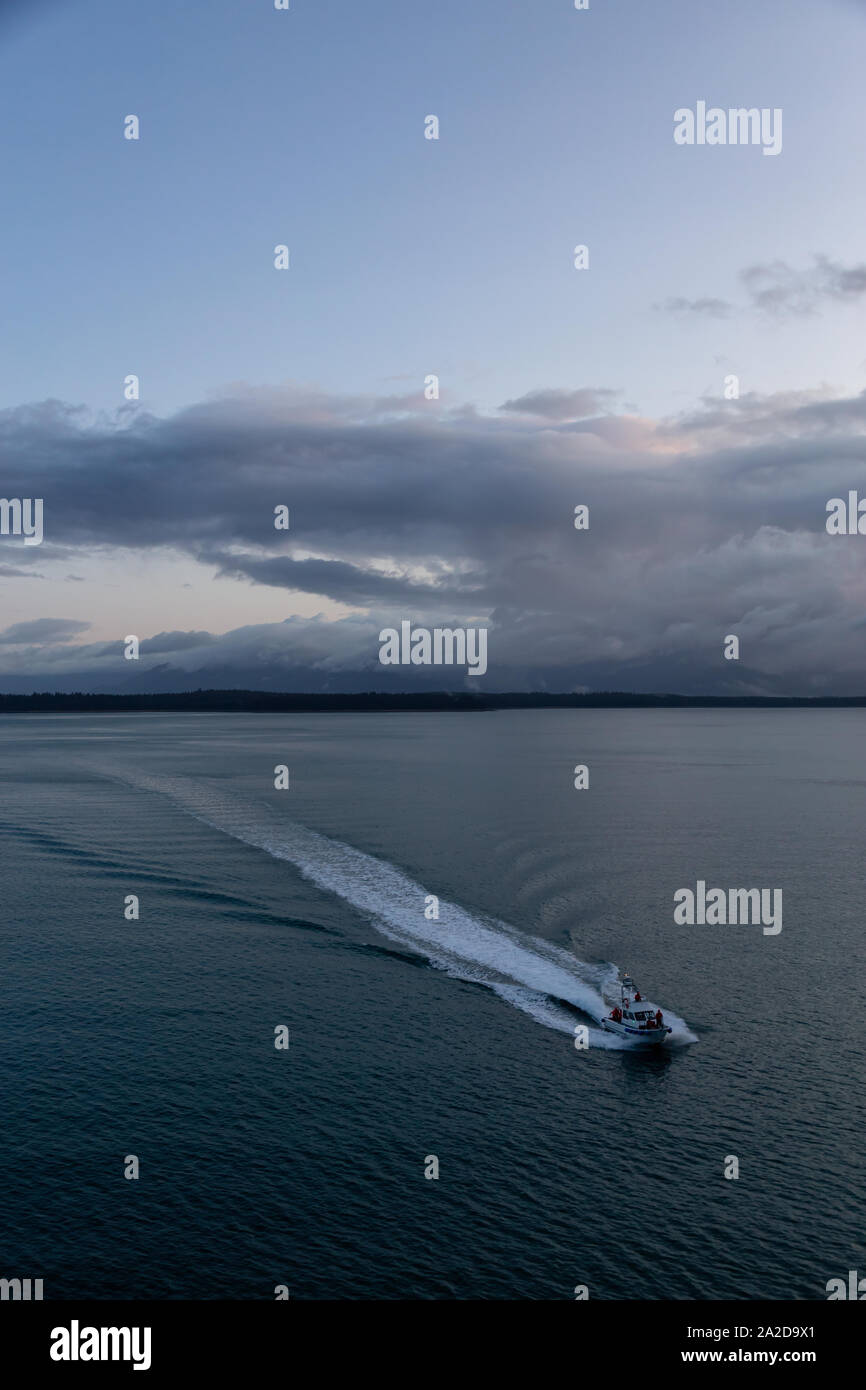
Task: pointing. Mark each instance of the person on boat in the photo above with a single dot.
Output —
(637, 996)
(616, 1015)
(659, 1017)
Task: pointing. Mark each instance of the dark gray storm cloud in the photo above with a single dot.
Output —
(48, 630)
(777, 290)
(708, 524)
(14, 572)
(563, 405)
(344, 583)
(780, 290)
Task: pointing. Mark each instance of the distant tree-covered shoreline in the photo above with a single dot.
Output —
(270, 702)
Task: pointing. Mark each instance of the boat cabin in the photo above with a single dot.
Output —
(635, 1012)
(641, 1011)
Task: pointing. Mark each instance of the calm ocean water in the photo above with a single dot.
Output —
(413, 1037)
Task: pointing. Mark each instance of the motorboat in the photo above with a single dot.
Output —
(635, 1017)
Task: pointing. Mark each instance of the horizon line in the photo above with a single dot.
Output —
(239, 700)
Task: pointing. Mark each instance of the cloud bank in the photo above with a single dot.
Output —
(700, 526)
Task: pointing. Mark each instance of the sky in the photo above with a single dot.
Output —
(607, 386)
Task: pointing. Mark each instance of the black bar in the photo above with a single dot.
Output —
(590, 1341)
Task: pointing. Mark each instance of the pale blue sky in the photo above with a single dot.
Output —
(410, 256)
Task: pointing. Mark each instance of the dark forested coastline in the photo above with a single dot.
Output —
(272, 702)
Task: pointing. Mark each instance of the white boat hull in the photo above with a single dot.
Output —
(652, 1037)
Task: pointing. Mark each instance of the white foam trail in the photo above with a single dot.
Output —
(523, 970)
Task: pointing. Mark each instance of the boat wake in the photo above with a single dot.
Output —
(541, 979)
